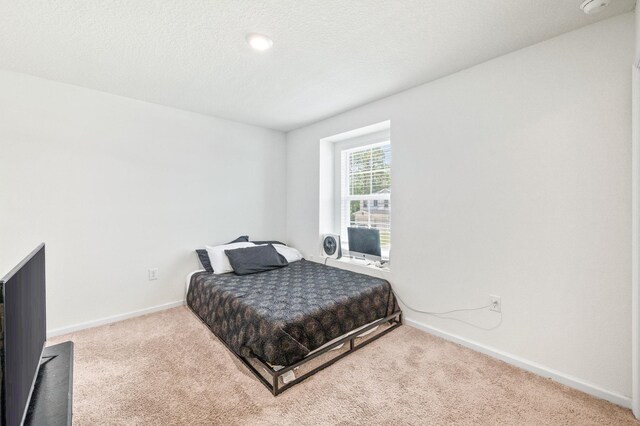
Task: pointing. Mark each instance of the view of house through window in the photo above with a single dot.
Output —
(366, 191)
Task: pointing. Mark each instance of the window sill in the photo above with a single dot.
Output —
(355, 265)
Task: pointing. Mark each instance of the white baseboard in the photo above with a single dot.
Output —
(115, 318)
(527, 365)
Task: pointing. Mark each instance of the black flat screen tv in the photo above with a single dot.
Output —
(24, 332)
(364, 242)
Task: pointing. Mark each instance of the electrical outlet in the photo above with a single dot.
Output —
(496, 303)
(153, 274)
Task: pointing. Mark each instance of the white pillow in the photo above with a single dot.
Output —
(291, 254)
(219, 260)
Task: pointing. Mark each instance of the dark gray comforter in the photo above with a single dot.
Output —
(280, 316)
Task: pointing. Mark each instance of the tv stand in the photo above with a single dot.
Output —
(53, 390)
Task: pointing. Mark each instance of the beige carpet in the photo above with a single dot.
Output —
(167, 368)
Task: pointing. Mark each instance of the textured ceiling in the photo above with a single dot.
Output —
(328, 55)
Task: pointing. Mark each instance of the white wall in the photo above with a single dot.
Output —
(635, 252)
(115, 186)
(510, 178)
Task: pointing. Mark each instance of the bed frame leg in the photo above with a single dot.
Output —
(274, 384)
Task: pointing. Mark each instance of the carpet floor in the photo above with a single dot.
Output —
(168, 369)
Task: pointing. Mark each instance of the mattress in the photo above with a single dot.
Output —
(280, 316)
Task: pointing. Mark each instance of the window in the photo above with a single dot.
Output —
(365, 190)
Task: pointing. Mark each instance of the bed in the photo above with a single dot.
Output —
(283, 318)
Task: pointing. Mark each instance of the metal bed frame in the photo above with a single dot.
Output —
(274, 386)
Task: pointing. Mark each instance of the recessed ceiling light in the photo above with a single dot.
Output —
(591, 7)
(259, 41)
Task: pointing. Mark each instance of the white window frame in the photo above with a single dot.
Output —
(340, 182)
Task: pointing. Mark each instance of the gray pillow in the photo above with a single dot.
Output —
(203, 256)
(240, 239)
(251, 260)
(268, 242)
